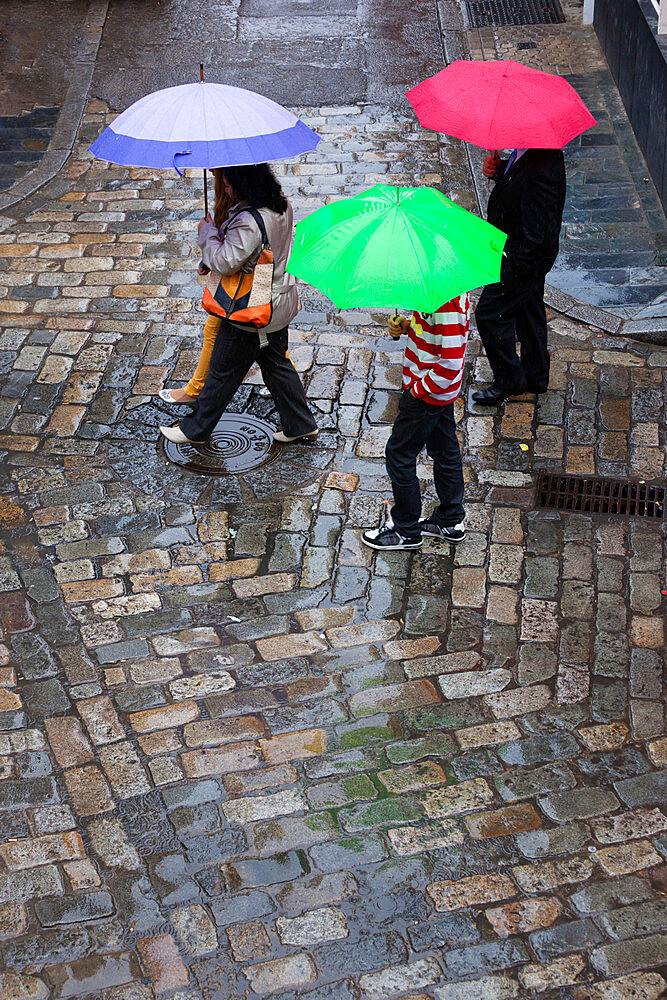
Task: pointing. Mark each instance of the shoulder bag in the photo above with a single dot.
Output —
(244, 297)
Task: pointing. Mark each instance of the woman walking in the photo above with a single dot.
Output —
(237, 243)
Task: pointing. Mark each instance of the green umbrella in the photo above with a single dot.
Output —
(409, 248)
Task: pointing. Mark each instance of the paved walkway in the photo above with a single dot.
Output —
(245, 757)
(614, 239)
(38, 56)
(23, 140)
(614, 235)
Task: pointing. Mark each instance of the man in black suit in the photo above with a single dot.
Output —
(527, 204)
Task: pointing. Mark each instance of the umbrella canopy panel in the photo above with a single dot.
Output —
(501, 105)
(203, 125)
(409, 248)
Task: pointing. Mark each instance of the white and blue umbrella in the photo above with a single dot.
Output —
(203, 125)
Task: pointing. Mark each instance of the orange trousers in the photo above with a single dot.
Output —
(196, 383)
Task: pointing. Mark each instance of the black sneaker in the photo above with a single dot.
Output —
(389, 538)
(454, 534)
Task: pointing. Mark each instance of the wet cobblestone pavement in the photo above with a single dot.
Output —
(242, 756)
(36, 57)
(23, 139)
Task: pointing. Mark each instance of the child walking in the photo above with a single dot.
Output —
(432, 374)
(188, 394)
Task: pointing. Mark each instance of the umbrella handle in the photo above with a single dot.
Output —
(494, 153)
(201, 80)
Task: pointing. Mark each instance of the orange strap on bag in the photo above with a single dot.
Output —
(244, 297)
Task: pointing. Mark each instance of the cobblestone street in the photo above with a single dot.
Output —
(244, 756)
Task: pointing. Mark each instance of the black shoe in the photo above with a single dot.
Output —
(493, 395)
(454, 534)
(390, 538)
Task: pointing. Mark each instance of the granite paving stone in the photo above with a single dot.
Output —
(651, 984)
(602, 896)
(627, 956)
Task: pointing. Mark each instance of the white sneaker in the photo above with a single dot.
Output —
(389, 538)
(166, 395)
(176, 435)
(453, 534)
(282, 438)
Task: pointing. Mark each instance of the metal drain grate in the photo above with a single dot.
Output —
(496, 13)
(600, 496)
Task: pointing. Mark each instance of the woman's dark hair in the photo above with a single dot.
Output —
(256, 184)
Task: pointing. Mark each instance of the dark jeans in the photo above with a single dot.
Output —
(509, 312)
(420, 423)
(234, 353)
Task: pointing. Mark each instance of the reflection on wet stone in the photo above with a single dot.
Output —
(230, 804)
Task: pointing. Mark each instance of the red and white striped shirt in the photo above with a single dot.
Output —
(435, 352)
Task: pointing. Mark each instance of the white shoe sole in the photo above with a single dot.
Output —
(176, 436)
(165, 394)
(281, 438)
(391, 548)
(443, 538)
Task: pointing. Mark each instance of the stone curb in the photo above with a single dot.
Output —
(71, 113)
(650, 331)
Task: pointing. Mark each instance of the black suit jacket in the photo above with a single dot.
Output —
(527, 204)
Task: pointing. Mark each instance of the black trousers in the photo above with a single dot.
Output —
(234, 353)
(511, 311)
(420, 424)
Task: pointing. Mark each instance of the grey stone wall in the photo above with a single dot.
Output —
(637, 58)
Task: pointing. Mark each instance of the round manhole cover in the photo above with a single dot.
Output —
(238, 443)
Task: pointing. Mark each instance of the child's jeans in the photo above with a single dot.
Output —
(420, 424)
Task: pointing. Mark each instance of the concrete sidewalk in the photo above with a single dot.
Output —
(39, 54)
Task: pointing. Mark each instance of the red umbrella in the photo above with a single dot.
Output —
(501, 105)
